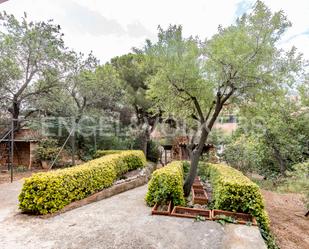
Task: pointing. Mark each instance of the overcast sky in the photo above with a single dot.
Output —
(113, 27)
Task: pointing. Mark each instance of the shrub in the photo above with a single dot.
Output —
(100, 153)
(134, 159)
(47, 150)
(186, 169)
(298, 181)
(153, 152)
(166, 184)
(235, 192)
(48, 192)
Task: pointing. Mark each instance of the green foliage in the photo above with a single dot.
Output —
(247, 154)
(298, 181)
(186, 169)
(134, 71)
(48, 192)
(134, 159)
(47, 149)
(270, 144)
(31, 61)
(225, 219)
(101, 153)
(199, 218)
(238, 63)
(153, 152)
(166, 184)
(233, 191)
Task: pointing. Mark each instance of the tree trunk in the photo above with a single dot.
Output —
(280, 160)
(197, 152)
(195, 157)
(192, 174)
(15, 111)
(144, 141)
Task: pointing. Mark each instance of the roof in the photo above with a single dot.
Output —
(23, 135)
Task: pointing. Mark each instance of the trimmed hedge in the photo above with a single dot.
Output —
(100, 153)
(233, 191)
(48, 192)
(166, 184)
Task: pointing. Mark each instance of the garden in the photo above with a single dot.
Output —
(213, 131)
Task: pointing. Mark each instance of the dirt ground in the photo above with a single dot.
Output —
(6, 177)
(288, 223)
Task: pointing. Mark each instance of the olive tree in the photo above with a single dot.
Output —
(31, 61)
(198, 79)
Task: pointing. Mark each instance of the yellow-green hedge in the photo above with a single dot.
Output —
(48, 192)
(166, 184)
(233, 191)
(100, 153)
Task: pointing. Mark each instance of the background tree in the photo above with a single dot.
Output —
(235, 65)
(31, 62)
(134, 70)
(87, 91)
(273, 136)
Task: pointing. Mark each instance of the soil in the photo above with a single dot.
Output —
(288, 223)
(162, 207)
(5, 177)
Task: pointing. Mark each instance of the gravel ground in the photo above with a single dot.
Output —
(122, 221)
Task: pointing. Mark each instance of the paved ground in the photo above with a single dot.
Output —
(122, 221)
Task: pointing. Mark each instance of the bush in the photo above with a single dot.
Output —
(233, 191)
(132, 160)
(48, 192)
(47, 150)
(100, 153)
(166, 184)
(153, 152)
(298, 181)
(186, 168)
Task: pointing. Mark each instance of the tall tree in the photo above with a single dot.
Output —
(238, 63)
(87, 90)
(134, 70)
(30, 62)
(270, 143)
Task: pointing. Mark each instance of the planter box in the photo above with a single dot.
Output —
(241, 218)
(191, 212)
(197, 183)
(155, 209)
(198, 186)
(199, 196)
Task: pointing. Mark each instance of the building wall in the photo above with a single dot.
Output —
(21, 154)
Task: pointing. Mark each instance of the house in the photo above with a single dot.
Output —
(227, 123)
(25, 143)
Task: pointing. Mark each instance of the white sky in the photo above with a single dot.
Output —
(113, 27)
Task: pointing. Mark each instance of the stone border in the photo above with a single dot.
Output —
(108, 192)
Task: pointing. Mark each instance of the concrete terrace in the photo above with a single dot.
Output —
(122, 221)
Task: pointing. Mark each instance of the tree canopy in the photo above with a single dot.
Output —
(235, 66)
(31, 61)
